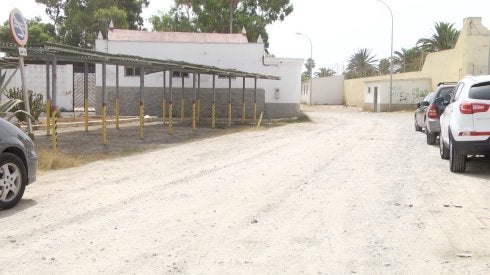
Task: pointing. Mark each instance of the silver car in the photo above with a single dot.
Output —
(18, 164)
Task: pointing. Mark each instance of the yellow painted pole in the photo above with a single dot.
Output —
(243, 112)
(198, 110)
(104, 124)
(85, 113)
(213, 115)
(229, 114)
(142, 120)
(48, 117)
(181, 110)
(117, 113)
(55, 133)
(170, 123)
(163, 111)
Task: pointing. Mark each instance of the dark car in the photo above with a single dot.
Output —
(419, 117)
(432, 125)
(18, 164)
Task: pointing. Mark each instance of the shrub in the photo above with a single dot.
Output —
(35, 100)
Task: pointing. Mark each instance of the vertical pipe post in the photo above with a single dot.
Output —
(255, 100)
(243, 102)
(198, 97)
(170, 102)
(213, 106)
(142, 103)
(104, 104)
(54, 87)
(48, 100)
(182, 99)
(194, 91)
(27, 105)
(117, 97)
(54, 136)
(229, 101)
(163, 99)
(85, 95)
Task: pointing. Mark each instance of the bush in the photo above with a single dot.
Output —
(35, 101)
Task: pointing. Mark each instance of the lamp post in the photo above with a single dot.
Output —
(311, 63)
(391, 53)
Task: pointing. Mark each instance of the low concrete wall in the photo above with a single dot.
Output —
(129, 103)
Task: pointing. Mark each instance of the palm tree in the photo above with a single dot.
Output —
(361, 64)
(444, 38)
(324, 72)
(408, 60)
(309, 64)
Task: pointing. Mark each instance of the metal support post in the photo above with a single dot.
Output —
(85, 95)
(163, 99)
(48, 101)
(117, 97)
(243, 102)
(142, 103)
(198, 97)
(170, 102)
(229, 101)
(104, 104)
(255, 100)
(194, 101)
(213, 107)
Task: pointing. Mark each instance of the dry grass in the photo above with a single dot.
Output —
(48, 160)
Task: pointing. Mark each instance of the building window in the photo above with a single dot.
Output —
(180, 74)
(132, 71)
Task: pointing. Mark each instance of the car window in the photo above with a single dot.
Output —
(457, 92)
(428, 97)
(445, 91)
(480, 91)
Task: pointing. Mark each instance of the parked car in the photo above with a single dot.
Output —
(18, 164)
(432, 125)
(420, 112)
(465, 123)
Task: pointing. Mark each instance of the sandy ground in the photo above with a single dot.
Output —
(351, 192)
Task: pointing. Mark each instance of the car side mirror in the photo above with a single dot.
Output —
(418, 105)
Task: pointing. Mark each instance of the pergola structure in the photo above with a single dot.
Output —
(52, 54)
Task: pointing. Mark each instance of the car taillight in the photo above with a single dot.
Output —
(470, 108)
(432, 113)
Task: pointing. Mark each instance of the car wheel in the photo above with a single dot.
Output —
(13, 179)
(457, 162)
(443, 150)
(417, 127)
(431, 137)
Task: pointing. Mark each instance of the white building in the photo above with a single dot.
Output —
(277, 98)
(326, 90)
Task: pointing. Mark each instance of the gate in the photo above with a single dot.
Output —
(78, 83)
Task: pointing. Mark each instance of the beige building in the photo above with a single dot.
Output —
(470, 56)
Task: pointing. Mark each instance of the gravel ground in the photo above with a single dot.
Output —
(350, 192)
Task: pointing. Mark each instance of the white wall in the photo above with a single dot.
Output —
(326, 90)
(36, 81)
(407, 91)
(246, 57)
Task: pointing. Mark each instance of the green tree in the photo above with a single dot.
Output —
(217, 15)
(39, 32)
(361, 64)
(408, 60)
(324, 72)
(384, 66)
(444, 37)
(77, 22)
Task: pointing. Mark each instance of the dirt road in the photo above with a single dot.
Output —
(351, 192)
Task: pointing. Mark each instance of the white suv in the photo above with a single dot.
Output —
(465, 123)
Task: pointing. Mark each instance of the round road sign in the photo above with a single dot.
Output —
(18, 27)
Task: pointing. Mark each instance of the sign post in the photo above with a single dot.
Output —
(18, 30)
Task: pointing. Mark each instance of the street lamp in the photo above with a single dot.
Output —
(311, 63)
(391, 53)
